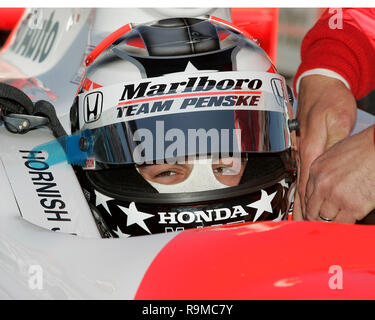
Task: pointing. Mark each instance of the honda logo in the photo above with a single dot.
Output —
(93, 104)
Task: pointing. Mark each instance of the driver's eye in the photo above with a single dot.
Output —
(223, 170)
(167, 173)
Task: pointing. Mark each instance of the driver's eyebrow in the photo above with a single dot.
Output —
(146, 165)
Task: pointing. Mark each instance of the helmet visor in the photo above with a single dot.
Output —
(172, 138)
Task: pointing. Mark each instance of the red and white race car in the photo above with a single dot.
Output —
(51, 239)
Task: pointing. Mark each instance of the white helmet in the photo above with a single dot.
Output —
(157, 96)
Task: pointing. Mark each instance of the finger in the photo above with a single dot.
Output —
(313, 206)
(307, 157)
(297, 206)
(328, 210)
(302, 181)
(297, 211)
(309, 189)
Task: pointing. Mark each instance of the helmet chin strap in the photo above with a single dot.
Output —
(201, 178)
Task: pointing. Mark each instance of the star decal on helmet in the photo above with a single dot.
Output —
(120, 234)
(136, 217)
(263, 204)
(101, 199)
(190, 67)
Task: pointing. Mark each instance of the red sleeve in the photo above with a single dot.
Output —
(349, 51)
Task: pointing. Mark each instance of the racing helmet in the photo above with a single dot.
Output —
(190, 120)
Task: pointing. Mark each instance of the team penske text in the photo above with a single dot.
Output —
(188, 103)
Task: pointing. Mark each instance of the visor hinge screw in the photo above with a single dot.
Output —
(293, 124)
(83, 144)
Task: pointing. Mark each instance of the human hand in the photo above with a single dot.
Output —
(326, 114)
(341, 185)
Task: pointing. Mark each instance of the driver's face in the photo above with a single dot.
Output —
(175, 173)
